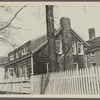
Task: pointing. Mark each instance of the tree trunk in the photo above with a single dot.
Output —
(51, 38)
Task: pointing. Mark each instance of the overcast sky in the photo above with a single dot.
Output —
(32, 21)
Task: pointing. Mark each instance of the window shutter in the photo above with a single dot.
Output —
(74, 47)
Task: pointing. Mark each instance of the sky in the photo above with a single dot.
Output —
(32, 21)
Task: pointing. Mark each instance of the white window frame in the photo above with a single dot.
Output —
(25, 50)
(93, 54)
(81, 48)
(26, 72)
(16, 54)
(11, 57)
(74, 47)
(76, 65)
(60, 46)
(10, 72)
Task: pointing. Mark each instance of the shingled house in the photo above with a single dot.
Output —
(35, 53)
(93, 52)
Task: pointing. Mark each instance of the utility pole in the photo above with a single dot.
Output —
(51, 37)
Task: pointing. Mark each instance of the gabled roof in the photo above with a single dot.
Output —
(94, 44)
(40, 42)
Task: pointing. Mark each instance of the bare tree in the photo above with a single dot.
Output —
(6, 26)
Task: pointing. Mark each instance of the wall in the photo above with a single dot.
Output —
(95, 59)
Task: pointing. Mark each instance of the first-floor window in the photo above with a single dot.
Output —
(10, 71)
(93, 64)
(75, 66)
(18, 71)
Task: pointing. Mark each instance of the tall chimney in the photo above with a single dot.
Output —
(91, 33)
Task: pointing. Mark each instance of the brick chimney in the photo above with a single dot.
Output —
(91, 33)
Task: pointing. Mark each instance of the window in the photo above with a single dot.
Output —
(16, 54)
(75, 66)
(26, 71)
(92, 53)
(74, 47)
(22, 52)
(21, 71)
(80, 48)
(58, 46)
(93, 64)
(25, 50)
(11, 57)
(10, 72)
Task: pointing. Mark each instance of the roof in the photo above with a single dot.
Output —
(3, 60)
(94, 44)
(40, 42)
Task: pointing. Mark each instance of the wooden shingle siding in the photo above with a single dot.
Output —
(41, 59)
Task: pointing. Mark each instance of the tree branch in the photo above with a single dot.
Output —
(12, 18)
(14, 27)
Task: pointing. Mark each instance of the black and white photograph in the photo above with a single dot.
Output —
(50, 48)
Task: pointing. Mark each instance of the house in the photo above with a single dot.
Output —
(35, 53)
(3, 61)
(93, 52)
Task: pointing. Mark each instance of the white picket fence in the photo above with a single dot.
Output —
(81, 82)
(15, 85)
(72, 82)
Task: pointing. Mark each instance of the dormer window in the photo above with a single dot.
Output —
(74, 48)
(22, 52)
(80, 48)
(58, 46)
(11, 57)
(25, 50)
(16, 54)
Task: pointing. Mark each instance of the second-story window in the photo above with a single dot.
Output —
(16, 54)
(25, 50)
(58, 46)
(22, 52)
(80, 48)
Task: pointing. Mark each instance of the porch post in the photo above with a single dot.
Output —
(32, 74)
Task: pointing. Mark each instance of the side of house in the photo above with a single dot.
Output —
(93, 52)
(3, 61)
